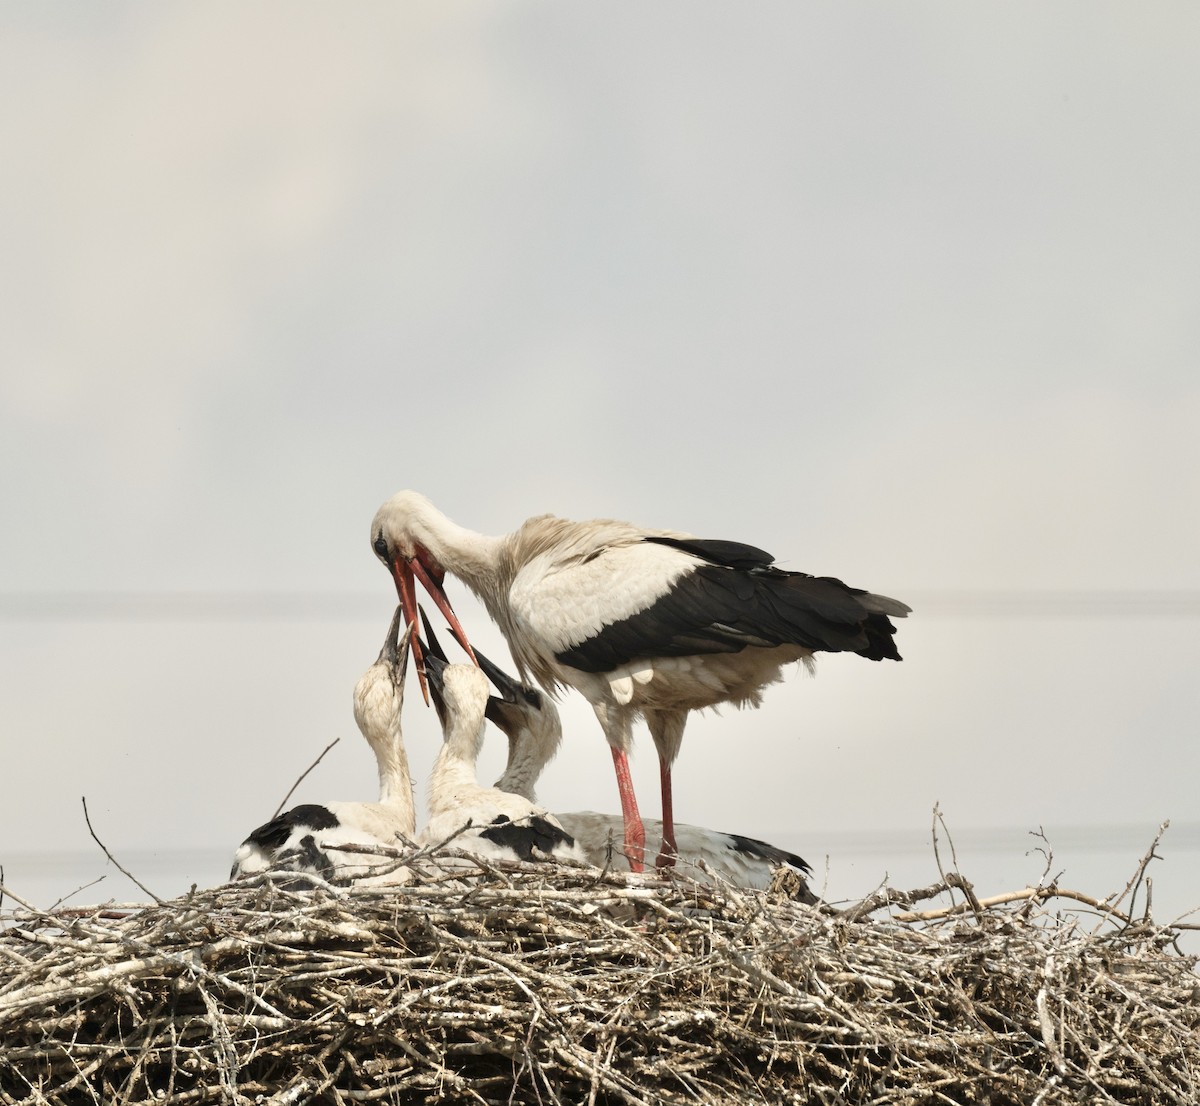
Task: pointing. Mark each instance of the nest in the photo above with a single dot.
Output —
(555, 984)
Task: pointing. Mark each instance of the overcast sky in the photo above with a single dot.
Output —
(906, 295)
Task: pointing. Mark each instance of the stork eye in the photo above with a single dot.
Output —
(380, 546)
(533, 697)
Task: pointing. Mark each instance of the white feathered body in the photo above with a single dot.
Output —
(309, 839)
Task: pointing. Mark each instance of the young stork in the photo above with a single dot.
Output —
(498, 825)
(650, 623)
(307, 837)
(533, 727)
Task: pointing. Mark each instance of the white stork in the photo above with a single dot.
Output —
(642, 622)
(482, 820)
(532, 724)
(307, 838)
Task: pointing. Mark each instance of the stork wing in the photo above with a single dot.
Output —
(728, 597)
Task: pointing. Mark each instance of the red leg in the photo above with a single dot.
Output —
(635, 832)
(668, 852)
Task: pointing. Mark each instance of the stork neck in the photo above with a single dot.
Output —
(470, 556)
(525, 764)
(462, 742)
(395, 785)
(452, 777)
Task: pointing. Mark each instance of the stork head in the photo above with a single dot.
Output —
(523, 714)
(531, 723)
(515, 705)
(379, 693)
(460, 694)
(402, 532)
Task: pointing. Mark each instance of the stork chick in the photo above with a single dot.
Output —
(307, 838)
(483, 820)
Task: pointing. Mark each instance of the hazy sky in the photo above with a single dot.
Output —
(906, 295)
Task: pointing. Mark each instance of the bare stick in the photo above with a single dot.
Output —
(71, 894)
(306, 771)
(956, 878)
(1031, 894)
(120, 868)
(1135, 881)
(1047, 851)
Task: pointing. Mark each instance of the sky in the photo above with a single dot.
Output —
(905, 295)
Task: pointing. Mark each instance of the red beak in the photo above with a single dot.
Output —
(406, 572)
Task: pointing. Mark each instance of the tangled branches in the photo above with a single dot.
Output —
(542, 984)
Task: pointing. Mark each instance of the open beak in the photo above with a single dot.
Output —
(503, 682)
(395, 648)
(406, 572)
(435, 665)
(499, 708)
(434, 647)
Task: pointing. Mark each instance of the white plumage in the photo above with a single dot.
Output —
(644, 623)
(703, 853)
(482, 820)
(309, 838)
(532, 724)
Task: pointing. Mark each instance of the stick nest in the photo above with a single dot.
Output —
(555, 984)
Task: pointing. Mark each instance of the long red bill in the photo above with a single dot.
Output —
(406, 571)
(438, 595)
(407, 592)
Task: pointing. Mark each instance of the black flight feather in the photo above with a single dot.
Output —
(771, 853)
(526, 836)
(718, 609)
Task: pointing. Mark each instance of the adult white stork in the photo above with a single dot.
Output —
(532, 724)
(653, 623)
(308, 838)
(481, 820)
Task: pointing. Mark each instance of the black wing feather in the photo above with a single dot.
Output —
(526, 836)
(751, 846)
(771, 853)
(731, 554)
(724, 608)
(273, 835)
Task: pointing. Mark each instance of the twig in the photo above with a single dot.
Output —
(119, 866)
(955, 878)
(291, 791)
(1032, 894)
(1047, 855)
(1135, 881)
(70, 894)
